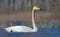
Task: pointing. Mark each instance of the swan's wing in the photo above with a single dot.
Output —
(22, 29)
(19, 29)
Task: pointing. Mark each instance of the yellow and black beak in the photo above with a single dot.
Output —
(37, 8)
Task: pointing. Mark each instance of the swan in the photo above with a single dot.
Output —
(25, 28)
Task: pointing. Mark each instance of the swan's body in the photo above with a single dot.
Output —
(19, 29)
(24, 28)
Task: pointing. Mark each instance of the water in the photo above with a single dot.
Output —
(42, 32)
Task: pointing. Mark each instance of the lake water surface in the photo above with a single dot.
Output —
(42, 32)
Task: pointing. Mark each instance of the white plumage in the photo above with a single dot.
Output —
(19, 29)
(24, 28)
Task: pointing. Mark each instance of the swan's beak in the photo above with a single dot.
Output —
(36, 8)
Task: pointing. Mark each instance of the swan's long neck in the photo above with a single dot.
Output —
(33, 21)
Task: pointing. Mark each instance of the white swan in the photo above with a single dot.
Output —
(25, 28)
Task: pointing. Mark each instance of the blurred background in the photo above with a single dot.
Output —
(18, 12)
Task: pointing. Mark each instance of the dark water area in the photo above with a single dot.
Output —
(42, 32)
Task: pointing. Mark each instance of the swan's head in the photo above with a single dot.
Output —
(36, 8)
